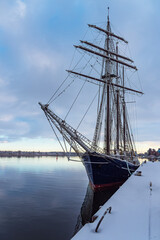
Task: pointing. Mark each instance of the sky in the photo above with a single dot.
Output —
(36, 46)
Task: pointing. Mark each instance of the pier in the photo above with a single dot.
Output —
(133, 212)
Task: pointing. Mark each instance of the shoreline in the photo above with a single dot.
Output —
(35, 154)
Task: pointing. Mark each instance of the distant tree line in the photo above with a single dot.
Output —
(35, 154)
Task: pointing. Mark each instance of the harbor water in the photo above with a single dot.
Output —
(45, 198)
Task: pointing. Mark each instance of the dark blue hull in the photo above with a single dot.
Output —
(104, 171)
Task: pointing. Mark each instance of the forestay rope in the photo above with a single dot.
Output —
(54, 132)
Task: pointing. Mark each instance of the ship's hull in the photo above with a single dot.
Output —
(106, 172)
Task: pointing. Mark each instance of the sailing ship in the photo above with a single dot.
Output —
(111, 164)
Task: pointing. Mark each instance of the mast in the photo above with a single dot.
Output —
(117, 104)
(124, 115)
(108, 80)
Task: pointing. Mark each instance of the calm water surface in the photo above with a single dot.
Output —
(43, 198)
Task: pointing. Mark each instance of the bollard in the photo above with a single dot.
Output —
(138, 173)
(150, 185)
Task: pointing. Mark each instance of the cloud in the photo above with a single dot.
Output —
(21, 8)
(12, 14)
(3, 82)
(6, 118)
(7, 98)
(42, 59)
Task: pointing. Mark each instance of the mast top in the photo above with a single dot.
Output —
(108, 14)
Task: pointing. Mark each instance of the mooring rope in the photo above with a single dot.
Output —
(128, 167)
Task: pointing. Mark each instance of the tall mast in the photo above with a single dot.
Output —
(117, 102)
(108, 80)
(124, 114)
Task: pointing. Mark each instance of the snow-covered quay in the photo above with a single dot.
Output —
(135, 210)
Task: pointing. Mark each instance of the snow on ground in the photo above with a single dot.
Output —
(135, 213)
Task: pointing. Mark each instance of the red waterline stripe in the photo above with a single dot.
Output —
(108, 185)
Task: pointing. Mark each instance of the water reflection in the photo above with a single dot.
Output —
(40, 198)
(91, 204)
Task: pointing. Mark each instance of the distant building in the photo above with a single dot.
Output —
(153, 152)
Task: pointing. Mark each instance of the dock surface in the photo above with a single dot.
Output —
(135, 210)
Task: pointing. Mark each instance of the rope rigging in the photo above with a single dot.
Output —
(110, 85)
(54, 132)
(87, 111)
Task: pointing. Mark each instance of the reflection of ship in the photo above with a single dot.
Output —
(91, 204)
(113, 163)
